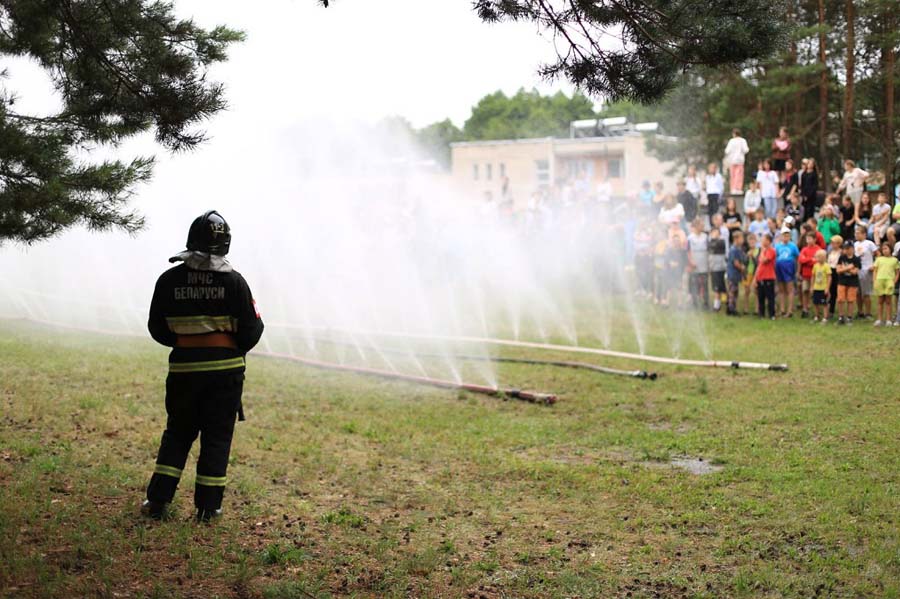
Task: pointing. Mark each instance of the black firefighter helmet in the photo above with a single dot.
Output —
(209, 233)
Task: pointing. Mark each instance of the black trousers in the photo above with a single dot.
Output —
(765, 292)
(809, 205)
(204, 404)
(643, 264)
(713, 203)
(833, 299)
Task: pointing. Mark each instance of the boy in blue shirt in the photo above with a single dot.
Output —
(786, 254)
(646, 195)
(737, 265)
(759, 226)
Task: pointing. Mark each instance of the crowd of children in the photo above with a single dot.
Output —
(788, 247)
(829, 265)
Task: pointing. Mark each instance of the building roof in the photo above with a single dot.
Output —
(582, 131)
(498, 142)
(553, 140)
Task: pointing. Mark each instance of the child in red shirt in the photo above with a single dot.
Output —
(807, 259)
(765, 277)
(810, 227)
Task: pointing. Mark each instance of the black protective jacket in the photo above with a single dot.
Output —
(195, 302)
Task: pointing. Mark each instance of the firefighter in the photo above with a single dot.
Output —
(203, 309)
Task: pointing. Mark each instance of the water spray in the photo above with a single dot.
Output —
(505, 392)
(638, 374)
(562, 348)
(529, 396)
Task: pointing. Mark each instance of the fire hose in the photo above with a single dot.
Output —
(512, 393)
(638, 374)
(554, 347)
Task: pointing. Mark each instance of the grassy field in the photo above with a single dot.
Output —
(348, 486)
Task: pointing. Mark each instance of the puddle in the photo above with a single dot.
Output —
(695, 465)
(566, 454)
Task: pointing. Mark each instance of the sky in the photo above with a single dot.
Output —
(424, 60)
(358, 60)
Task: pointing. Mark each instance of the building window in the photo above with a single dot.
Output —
(475, 172)
(488, 171)
(614, 168)
(502, 169)
(578, 168)
(542, 171)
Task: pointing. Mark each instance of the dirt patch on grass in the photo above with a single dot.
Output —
(663, 425)
(695, 465)
(571, 454)
(655, 588)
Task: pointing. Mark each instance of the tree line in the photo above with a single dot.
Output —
(832, 84)
(498, 116)
(831, 81)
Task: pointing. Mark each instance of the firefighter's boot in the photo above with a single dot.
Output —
(155, 509)
(205, 515)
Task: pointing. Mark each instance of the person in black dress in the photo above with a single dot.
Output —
(847, 217)
(809, 186)
(732, 218)
(790, 182)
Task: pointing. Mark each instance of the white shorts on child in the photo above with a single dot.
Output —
(865, 283)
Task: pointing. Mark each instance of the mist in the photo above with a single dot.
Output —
(357, 252)
(356, 246)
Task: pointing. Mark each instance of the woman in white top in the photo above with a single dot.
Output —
(735, 151)
(881, 219)
(853, 182)
(671, 211)
(692, 182)
(752, 201)
(715, 187)
(768, 188)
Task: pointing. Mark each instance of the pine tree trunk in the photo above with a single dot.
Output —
(890, 62)
(823, 102)
(797, 104)
(849, 88)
